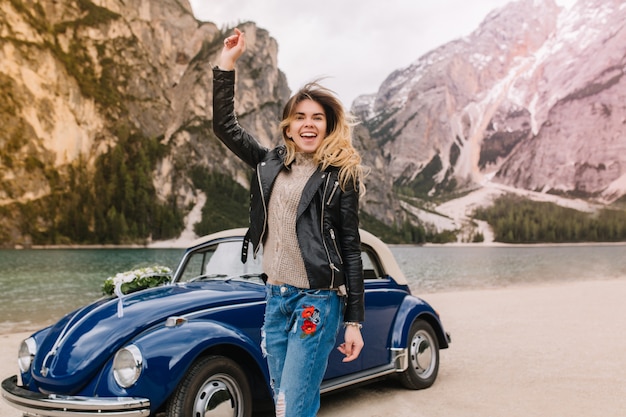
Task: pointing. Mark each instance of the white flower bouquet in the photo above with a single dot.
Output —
(137, 279)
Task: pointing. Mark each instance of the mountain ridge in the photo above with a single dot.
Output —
(518, 102)
(509, 108)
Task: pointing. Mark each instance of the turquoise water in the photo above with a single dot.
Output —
(39, 286)
(444, 268)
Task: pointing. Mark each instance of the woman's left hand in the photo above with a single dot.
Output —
(352, 345)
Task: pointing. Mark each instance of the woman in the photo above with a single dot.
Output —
(304, 212)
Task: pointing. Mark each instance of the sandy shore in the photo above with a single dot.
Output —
(540, 351)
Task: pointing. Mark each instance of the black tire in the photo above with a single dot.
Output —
(213, 386)
(423, 351)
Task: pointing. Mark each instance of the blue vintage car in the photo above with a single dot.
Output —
(192, 347)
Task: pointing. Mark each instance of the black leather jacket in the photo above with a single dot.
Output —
(327, 217)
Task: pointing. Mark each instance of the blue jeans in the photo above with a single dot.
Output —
(299, 333)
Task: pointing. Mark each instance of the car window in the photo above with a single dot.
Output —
(224, 261)
(371, 266)
(220, 261)
(193, 267)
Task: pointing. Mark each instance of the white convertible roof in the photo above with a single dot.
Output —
(386, 258)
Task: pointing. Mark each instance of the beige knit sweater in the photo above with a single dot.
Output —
(282, 259)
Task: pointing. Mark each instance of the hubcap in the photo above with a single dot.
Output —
(422, 354)
(219, 397)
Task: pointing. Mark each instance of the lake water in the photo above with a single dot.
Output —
(39, 286)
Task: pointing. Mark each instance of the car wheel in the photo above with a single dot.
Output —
(423, 351)
(214, 386)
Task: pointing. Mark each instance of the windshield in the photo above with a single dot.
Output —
(221, 261)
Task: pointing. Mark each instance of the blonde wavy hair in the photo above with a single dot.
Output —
(336, 149)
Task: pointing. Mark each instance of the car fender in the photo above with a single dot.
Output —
(165, 364)
(413, 308)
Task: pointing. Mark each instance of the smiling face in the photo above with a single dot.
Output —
(308, 127)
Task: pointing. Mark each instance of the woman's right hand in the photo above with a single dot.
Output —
(234, 46)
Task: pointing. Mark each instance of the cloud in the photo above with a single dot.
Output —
(355, 43)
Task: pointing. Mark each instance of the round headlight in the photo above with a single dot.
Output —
(127, 366)
(26, 354)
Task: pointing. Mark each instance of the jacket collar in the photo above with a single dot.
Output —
(310, 189)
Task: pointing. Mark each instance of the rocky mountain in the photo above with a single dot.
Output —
(532, 101)
(107, 137)
(97, 95)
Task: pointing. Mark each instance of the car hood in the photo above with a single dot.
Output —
(78, 345)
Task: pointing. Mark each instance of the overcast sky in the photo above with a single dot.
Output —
(355, 43)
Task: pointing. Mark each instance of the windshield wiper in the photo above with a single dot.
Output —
(208, 276)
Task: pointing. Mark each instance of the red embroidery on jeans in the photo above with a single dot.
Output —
(308, 312)
(311, 316)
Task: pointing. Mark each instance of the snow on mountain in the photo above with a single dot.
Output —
(531, 102)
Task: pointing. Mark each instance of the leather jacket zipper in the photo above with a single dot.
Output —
(332, 193)
(333, 268)
(332, 236)
(256, 249)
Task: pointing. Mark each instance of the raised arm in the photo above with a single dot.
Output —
(225, 124)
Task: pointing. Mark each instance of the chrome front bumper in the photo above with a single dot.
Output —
(51, 405)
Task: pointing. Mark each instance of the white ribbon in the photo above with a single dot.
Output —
(120, 302)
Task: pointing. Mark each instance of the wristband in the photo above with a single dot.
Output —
(353, 323)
